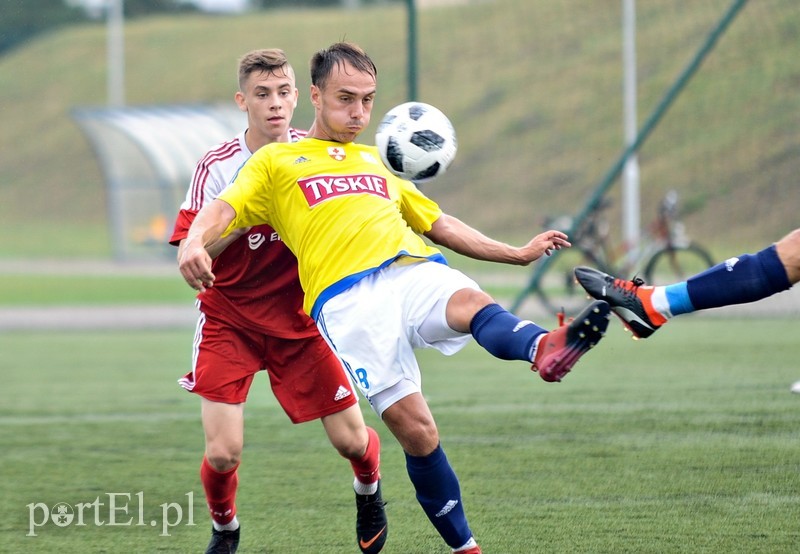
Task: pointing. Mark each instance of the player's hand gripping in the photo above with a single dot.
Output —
(195, 265)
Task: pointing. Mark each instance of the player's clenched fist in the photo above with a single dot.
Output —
(194, 258)
(195, 265)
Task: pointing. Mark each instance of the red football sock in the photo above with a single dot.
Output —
(220, 490)
(367, 468)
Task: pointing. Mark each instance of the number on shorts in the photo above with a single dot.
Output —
(361, 373)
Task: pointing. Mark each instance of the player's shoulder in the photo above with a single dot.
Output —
(225, 148)
(223, 151)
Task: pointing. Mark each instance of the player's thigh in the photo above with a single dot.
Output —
(365, 326)
(411, 422)
(225, 359)
(223, 425)
(430, 289)
(347, 432)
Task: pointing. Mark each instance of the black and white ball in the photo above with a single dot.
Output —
(416, 141)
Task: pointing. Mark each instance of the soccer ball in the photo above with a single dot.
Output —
(416, 141)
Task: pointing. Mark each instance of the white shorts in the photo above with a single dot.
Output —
(375, 325)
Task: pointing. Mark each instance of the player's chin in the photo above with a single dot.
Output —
(347, 136)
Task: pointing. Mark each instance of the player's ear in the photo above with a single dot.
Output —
(315, 94)
(296, 96)
(239, 98)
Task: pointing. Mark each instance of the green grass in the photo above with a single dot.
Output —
(64, 284)
(686, 442)
(53, 290)
(64, 237)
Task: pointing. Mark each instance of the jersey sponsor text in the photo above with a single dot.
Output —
(322, 187)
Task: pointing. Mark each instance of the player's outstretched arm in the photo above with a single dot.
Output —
(217, 248)
(452, 233)
(206, 230)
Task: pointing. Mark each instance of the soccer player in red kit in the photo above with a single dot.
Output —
(252, 319)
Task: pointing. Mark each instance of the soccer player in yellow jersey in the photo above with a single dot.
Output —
(253, 320)
(376, 290)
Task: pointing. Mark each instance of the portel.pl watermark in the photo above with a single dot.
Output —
(112, 509)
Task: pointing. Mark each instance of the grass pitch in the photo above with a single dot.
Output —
(686, 442)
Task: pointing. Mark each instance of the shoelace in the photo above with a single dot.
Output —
(628, 287)
(374, 510)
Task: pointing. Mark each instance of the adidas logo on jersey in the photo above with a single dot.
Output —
(342, 393)
(300, 160)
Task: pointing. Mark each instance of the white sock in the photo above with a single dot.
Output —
(469, 544)
(660, 302)
(535, 346)
(233, 525)
(365, 488)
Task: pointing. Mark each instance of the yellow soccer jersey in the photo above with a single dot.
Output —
(336, 206)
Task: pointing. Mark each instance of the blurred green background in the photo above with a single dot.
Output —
(687, 442)
(534, 90)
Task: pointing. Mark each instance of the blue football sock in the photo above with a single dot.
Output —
(678, 299)
(748, 278)
(439, 494)
(503, 334)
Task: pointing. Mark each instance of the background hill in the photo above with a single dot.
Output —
(534, 91)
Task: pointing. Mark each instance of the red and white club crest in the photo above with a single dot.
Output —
(337, 153)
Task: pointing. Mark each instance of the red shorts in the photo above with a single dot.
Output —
(306, 377)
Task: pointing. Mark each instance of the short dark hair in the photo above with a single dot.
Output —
(323, 62)
(267, 60)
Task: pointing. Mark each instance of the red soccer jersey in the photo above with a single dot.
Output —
(256, 283)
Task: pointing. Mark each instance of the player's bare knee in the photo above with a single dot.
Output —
(353, 446)
(463, 306)
(418, 437)
(411, 422)
(423, 441)
(346, 432)
(788, 249)
(223, 458)
(350, 452)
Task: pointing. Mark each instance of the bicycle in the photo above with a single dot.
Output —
(666, 255)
